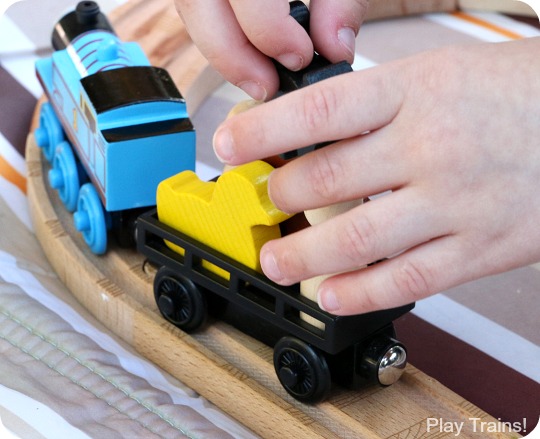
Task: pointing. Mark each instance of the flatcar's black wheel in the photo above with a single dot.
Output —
(302, 371)
(179, 300)
(124, 229)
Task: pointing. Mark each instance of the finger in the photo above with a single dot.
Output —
(365, 234)
(337, 108)
(271, 29)
(425, 270)
(334, 26)
(348, 170)
(217, 34)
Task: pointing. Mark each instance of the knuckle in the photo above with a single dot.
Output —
(358, 240)
(367, 300)
(183, 6)
(291, 264)
(324, 175)
(413, 280)
(264, 38)
(353, 293)
(361, 6)
(318, 106)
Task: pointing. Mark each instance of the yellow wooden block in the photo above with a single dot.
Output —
(233, 215)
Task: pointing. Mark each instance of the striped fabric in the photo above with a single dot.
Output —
(62, 374)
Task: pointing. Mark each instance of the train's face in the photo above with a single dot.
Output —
(125, 119)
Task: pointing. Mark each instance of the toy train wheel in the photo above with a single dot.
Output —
(49, 133)
(302, 370)
(90, 219)
(179, 300)
(124, 227)
(64, 176)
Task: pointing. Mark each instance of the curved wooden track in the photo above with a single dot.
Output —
(230, 369)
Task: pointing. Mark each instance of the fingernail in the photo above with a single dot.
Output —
(272, 192)
(328, 300)
(347, 38)
(268, 186)
(223, 145)
(254, 89)
(270, 266)
(292, 61)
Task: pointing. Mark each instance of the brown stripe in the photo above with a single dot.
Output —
(17, 105)
(531, 21)
(495, 388)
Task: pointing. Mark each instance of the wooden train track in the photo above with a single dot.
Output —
(229, 368)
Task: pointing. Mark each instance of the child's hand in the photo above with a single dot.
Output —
(238, 37)
(454, 133)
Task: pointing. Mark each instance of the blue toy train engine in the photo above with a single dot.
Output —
(113, 127)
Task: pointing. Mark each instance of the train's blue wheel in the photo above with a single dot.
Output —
(49, 133)
(90, 219)
(64, 175)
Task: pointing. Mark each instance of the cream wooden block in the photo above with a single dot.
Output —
(309, 287)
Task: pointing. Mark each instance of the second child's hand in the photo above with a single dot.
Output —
(240, 38)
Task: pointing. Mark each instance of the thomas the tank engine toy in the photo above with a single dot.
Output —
(113, 127)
